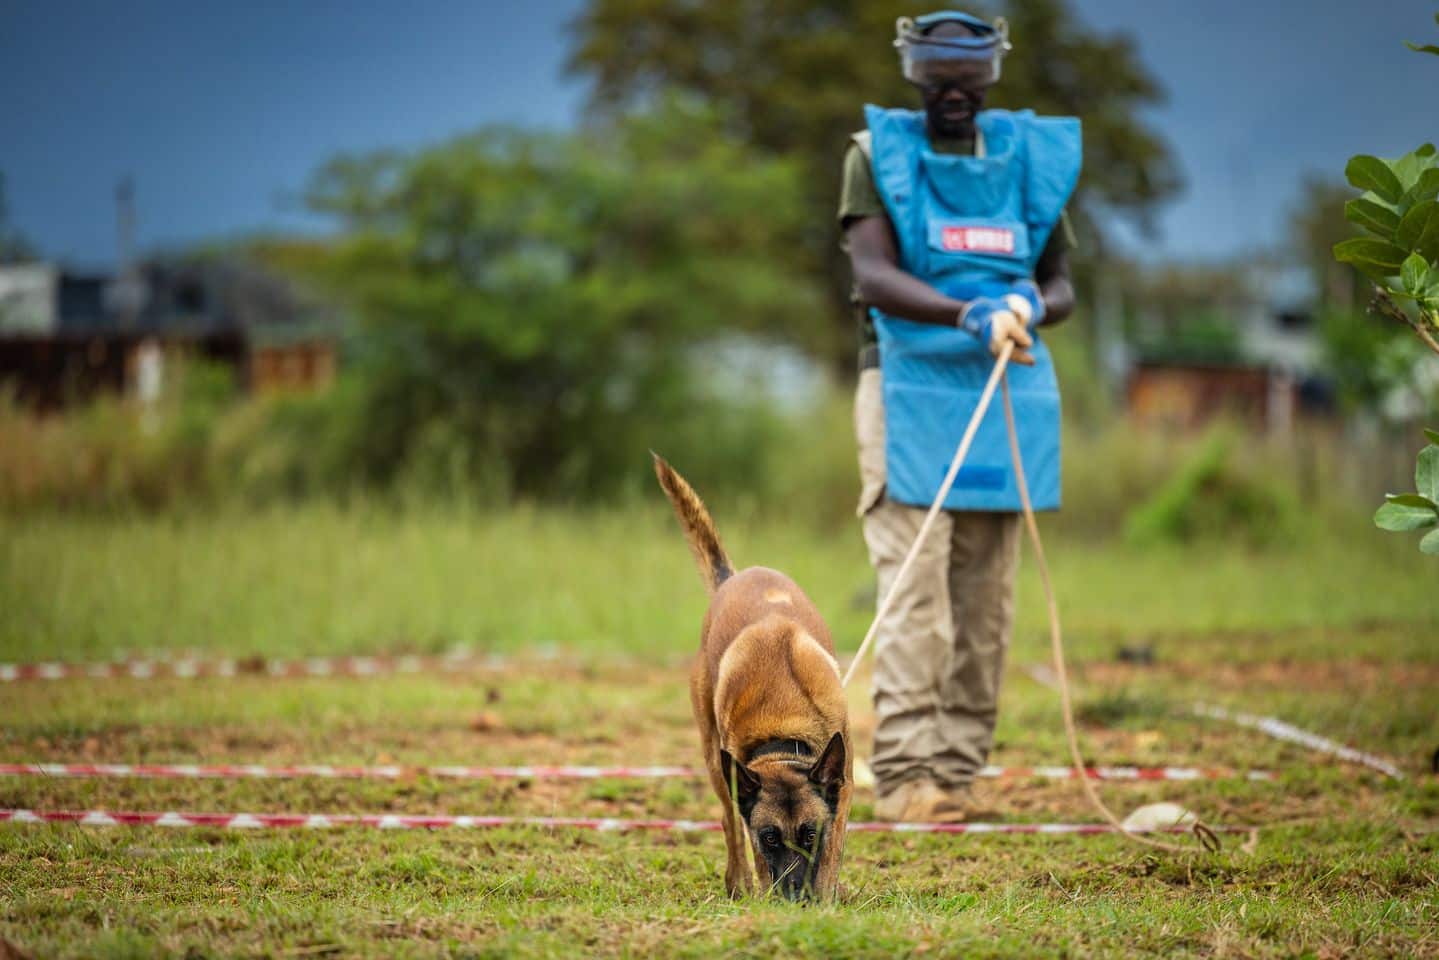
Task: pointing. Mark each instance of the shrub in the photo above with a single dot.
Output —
(1212, 495)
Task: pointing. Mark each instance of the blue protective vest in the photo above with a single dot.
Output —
(969, 226)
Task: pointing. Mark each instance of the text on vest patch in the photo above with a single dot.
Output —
(977, 239)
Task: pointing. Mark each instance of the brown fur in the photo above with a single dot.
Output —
(766, 672)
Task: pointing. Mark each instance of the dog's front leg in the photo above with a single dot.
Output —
(826, 879)
(738, 881)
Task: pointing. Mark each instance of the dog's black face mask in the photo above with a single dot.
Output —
(790, 810)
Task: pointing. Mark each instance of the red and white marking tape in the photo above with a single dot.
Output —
(330, 772)
(394, 821)
(191, 667)
(1279, 730)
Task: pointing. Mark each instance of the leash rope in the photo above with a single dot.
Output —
(944, 488)
(1206, 836)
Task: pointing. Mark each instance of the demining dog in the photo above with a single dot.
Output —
(772, 717)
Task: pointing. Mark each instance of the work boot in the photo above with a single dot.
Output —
(931, 803)
(893, 806)
(975, 802)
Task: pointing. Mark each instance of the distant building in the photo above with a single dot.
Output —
(1232, 342)
(67, 336)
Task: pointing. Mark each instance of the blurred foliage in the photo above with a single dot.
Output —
(1207, 335)
(1214, 495)
(794, 75)
(529, 302)
(1365, 360)
(1368, 361)
(1316, 224)
(110, 455)
(1185, 313)
(1088, 399)
(204, 449)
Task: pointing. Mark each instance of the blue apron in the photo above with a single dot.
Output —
(969, 226)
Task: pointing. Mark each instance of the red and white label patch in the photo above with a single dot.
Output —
(977, 239)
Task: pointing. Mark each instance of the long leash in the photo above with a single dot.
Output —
(1204, 834)
(959, 455)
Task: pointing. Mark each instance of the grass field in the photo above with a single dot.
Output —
(597, 613)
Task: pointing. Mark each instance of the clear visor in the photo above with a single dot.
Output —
(967, 61)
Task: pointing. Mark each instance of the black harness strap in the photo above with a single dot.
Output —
(794, 750)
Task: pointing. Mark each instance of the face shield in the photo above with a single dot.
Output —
(970, 61)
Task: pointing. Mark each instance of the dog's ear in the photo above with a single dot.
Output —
(828, 771)
(740, 778)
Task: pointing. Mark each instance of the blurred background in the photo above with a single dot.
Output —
(263, 256)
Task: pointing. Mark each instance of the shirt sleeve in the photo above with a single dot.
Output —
(1064, 232)
(858, 197)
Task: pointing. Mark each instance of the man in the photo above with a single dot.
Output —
(953, 221)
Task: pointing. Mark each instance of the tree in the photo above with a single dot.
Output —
(793, 75)
(529, 301)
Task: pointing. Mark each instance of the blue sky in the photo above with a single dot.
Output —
(220, 110)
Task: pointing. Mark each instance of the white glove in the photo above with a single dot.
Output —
(1020, 307)
(1008, 325)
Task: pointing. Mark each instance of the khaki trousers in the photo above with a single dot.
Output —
(939, 652)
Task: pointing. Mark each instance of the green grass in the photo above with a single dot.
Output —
(1349, 863)
(599, 611)
(299, 581)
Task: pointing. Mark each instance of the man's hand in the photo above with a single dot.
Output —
(1012, 324)
(993, 322)
(1027, 301)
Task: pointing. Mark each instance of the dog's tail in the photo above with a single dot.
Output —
(699, 529)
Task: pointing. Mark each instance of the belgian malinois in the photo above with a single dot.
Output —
(772, 717)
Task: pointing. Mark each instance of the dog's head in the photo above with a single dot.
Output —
(790, 808)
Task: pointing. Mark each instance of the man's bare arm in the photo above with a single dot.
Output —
(882, 284)
(1052, 275)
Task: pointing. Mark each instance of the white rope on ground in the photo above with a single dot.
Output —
(1280, 730)
(402, 821)
(252, 771)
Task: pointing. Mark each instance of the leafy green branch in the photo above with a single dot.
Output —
(1399, 210)
(1405, 512)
